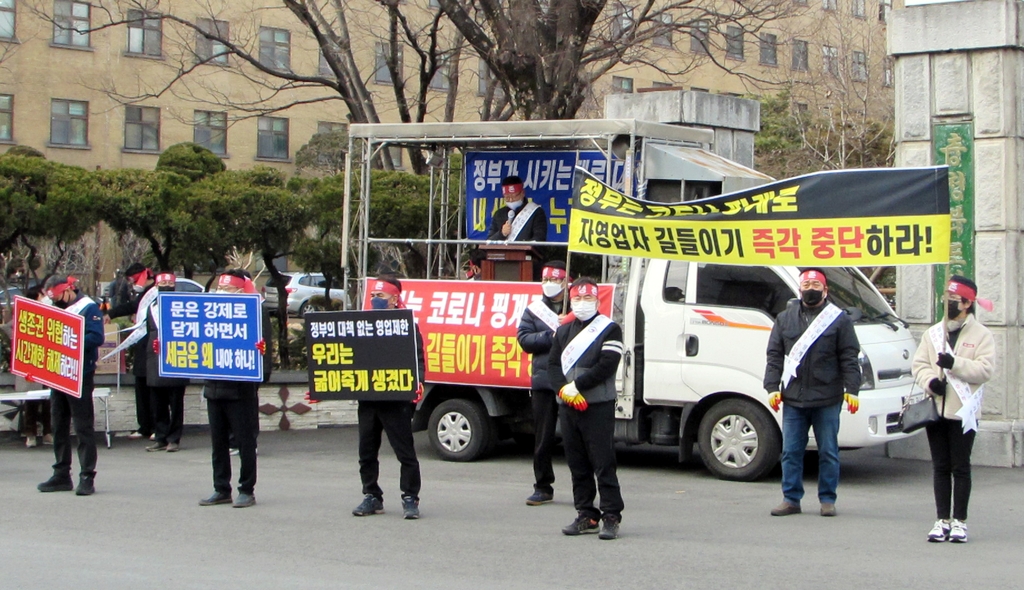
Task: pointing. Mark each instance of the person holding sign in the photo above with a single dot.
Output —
(392, 417)
(137, 281)
(584, 356)
(536, 330)
(167, 394)
(520, 220)
(812, 368)
(957, 375)
(231, 408)
(64, 408)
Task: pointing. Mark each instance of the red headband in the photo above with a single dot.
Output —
(968, 294)
(511, 189)
(385, 287)
(167, 277)
(237, 282)
(581, 290)
(550, 272)
(57, 290)
(813, 275)
(141, 277)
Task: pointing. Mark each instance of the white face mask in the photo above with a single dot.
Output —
(551, 289)
(138, 288)
(584, 310)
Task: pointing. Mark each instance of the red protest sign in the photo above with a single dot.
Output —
(469, 328)
(48, 346)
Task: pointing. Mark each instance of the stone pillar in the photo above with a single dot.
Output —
(963, 63)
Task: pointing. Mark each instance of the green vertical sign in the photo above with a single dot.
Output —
(953, 146)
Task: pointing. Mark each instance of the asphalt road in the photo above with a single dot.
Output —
(681, 528)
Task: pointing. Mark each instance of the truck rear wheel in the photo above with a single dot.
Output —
(460, 430)
(738, 441)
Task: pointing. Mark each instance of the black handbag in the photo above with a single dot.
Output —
(918, 414)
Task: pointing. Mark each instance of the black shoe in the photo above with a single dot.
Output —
(244, 500)
(609, 527)
(157, 446)
(539, 498)
(57, 483)
(173, 447)
(85, 487)
(583, 525)
(371, 505)
(216, 498)
(411, 508)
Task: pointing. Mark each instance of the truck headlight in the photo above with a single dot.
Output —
(867, 374)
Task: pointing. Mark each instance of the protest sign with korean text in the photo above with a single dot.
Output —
(362, 355)
(210, 336)
(48, 346)
(547, 180)
(469, 328)
(878, 217)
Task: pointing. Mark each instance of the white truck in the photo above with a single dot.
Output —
(695, 334)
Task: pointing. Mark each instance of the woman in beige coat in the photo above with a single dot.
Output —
(954, 361)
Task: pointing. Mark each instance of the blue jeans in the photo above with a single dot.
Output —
(795, 424)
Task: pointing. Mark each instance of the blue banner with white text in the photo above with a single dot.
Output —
(211, 336)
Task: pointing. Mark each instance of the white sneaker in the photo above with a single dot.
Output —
(958, 531)
(30, 441)
(939, 533)
(134, 435)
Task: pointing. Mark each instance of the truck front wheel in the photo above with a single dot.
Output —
(460, 430)
(738, 441)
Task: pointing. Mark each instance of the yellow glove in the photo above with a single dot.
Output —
(572, 397)
(775, 400)
(852, 402)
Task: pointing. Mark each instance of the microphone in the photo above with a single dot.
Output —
(511, 214)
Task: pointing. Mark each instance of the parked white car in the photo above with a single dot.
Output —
(301, 288)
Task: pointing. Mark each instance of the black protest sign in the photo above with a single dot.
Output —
(362, 355)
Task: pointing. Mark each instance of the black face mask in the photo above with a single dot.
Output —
(812, 297)
(61, 304)
(165, 289)
(953, 310)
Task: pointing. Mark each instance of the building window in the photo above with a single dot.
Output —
(70, 23)
(699, 37)
(664, 37)
(440, 79)
(211, 131)
(801, 108)
(210, 50)
(434, 4)
(887, 77)
(6, 117)
(381, 73)
(69, 122)
(858, 8)
(324, 69)
(829, 4)
(883, 10)
(272, 138)
(734, 42)
(859, 66)
(275, 48)
(7, 13)
(329, 126)
(657, 84)
(799, 55)
(144, 33)
(396, 157)
(800, 2)
(142, 128)
(622, 21)
(622, 85)
(769, 49)
(830, 60)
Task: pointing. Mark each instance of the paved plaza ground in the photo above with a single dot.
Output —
(681, 528)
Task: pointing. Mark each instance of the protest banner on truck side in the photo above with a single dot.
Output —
(210, 336)
(362, 355)
(48, 346)
(877, 217)
(469, 328)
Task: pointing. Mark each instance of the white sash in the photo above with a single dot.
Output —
(520, 220)
(139, 329)
(582, 342)
(79, 305)
(803, 344)
(971, 400)
(544, 313)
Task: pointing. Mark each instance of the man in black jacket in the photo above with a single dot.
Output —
(129, 291)
(812, 367)
(536, 329)
(167, 394)
(520, 220)
(584, 356)
(231, 407)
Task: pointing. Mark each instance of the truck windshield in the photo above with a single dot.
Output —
(847, 287)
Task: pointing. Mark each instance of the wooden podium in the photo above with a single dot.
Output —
(508, 262)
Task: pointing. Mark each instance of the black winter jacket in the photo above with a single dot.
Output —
(828, 370)
(128, 306)
(536, 229)
(594, 372)
(535, 338)
(216, 389)
(151, 360)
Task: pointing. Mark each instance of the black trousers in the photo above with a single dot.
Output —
(589, 439)
(951, 456)
(63, 409)
(394, 418)
(143, 409)
(168, 413)
(32, 413)
(237, 417)
(545, 418)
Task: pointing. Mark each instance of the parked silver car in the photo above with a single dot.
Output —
(301, 288)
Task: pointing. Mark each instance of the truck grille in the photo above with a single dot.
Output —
(892, 423)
